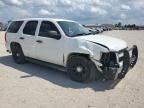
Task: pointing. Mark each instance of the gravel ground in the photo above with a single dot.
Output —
(35, 86)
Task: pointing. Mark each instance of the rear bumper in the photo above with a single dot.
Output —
(127, 62)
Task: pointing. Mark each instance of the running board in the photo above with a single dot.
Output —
(47, 64)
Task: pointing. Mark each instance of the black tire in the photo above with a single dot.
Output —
(86, 68)
(18, 55)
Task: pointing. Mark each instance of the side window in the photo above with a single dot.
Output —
(45, 27)
(14, 26)
(30, 27)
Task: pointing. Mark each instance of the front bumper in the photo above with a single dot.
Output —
(126, 60)
(129, 60)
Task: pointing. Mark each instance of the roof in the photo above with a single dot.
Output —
(49, 19)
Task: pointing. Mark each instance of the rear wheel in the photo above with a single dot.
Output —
(18, 55)
(81, 69)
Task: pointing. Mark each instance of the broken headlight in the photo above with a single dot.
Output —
(109, 59)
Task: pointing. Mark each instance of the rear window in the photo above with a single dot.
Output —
(14, 26)
(30, 27)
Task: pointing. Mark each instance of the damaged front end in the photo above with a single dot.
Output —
(115, 65)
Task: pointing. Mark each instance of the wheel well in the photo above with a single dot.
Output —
(77, 54)
(14, 44)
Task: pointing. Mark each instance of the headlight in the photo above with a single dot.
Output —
(104, 59)
(108, 59)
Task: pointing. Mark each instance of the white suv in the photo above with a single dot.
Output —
(68, 44)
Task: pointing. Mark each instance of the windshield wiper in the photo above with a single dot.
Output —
(89, 33)
(81, 34)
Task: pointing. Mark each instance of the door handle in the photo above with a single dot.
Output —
(22, 38)
(39, 41)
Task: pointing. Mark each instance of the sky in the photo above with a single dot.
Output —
(83, 11)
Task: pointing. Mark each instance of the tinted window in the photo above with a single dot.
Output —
(45, 27)
(30, 27)
(14, 26)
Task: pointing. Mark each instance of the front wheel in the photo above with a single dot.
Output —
(80, 69)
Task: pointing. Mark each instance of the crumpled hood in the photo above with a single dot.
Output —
(113, 44)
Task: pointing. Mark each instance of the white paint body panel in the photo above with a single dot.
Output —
(57, 51)
(113, 44)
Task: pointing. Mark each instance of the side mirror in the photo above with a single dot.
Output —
(54, 34)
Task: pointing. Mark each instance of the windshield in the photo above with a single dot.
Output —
(73, 29)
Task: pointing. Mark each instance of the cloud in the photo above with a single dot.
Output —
(125, 7)
(1, 3)
(64, 3)
(13, 2)
(46, 12)
(98, 11)
(123, 16)
(84, 11)
(100, 3)
(139, 4)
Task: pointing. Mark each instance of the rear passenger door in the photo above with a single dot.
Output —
(28, 38)
(48, 48)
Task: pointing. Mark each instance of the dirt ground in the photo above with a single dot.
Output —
(34, 86)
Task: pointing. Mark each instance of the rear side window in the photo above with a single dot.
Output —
(14, 26)
(30, 27)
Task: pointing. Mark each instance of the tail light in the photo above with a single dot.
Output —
(5, 38)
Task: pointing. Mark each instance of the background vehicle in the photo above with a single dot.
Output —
(93, 31)
(99, 29)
